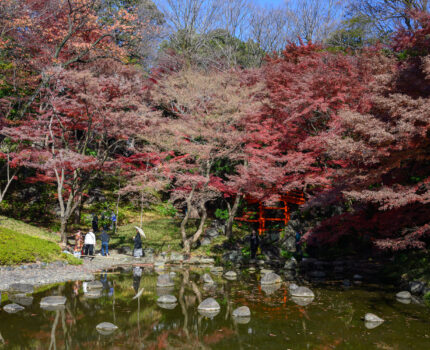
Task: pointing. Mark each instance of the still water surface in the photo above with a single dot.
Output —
(332, 321)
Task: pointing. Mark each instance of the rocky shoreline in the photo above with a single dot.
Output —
(40, 274)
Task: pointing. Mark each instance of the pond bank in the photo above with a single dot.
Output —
(39, 274)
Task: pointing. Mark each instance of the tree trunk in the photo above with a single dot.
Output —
(63, 227)
(195, 237)
(141, 209)
(231, 215)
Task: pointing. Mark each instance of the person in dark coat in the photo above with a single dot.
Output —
(105, 243)
(95, 223)
(255, 242)
(137, 245)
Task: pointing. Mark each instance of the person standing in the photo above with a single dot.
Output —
(255, 242)
(113, 219)
(105, 242)
(90, 242)
(78, 244)
(137, 246)
(95, 223)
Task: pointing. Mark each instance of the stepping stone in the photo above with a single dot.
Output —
(290, 264)
(165, 281)
(93, 294)
(210, 305)
(230, 275)
(21, 299)
(167, 299)
(21, 288)
(302, 301)
(369, 317)
(94, 285)
(271, 278)
(106, 328)
(403, 295)
(51, 303)
(217, 269)
(242, 311)
(302, 292)
(12, 308)
(207, 279)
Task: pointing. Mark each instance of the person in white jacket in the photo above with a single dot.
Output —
(90, 242)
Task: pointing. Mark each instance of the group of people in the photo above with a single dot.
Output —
(85, 245)
(105, 219)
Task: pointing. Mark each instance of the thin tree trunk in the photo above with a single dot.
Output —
(63, 227)
(117, 205)
(141, 209)
(9, 179)
(231, 215)
(53, 344)
(194, 238)
(185, 221)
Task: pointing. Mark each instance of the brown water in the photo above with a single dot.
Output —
(331, 321)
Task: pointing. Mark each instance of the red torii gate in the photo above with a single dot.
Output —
(293, 197)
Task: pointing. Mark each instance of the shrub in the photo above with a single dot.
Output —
(165, 209)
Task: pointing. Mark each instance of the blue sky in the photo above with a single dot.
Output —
(269, 2)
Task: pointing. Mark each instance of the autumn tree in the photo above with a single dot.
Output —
(85, 119)
(385, 152)
(285, 144)
(203, 129)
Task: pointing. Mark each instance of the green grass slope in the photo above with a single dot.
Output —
(22, 227)
(17, 248)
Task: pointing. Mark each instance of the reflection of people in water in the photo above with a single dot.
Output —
(76, 286)
(104, 281)
(137, 275)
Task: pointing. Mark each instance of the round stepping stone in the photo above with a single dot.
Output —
(12, 308)
(230, 275)
(242, 311)
(369, 317)
(106, 328)
(271, 278)
(167, 299)
(302, 301)
(302, 292)
(403, 295)
(210, 305)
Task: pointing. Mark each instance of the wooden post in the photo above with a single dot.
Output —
(260, 219)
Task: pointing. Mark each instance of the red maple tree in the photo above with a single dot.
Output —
(86, 118)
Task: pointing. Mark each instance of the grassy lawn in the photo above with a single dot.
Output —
(162, 234)
(23, 243)
(16, 248)
(23, 228)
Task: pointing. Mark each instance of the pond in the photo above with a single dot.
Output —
(332, 321)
